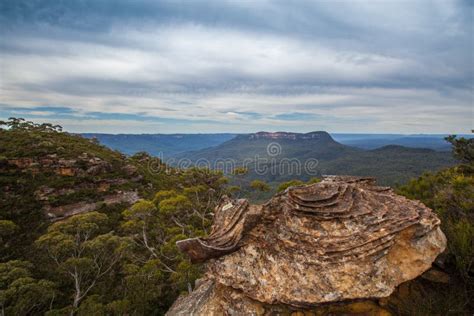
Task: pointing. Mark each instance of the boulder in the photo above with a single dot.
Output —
(338, 241)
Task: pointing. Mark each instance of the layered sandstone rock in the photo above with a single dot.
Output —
(73, 186)
(232, 220)
(338, 240)
(61, 212)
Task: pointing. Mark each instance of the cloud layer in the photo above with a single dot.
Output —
(239, 66)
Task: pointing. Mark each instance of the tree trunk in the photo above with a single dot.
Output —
(77, 294)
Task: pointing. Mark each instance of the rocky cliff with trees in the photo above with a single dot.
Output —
(84, 229)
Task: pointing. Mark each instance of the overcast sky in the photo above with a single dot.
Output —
(241, 66)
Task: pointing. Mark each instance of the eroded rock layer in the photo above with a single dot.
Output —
(341, 239)
(231, 221)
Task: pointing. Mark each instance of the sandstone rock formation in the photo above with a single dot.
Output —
(338, 240)
(91, 182)
(231, 222)
(61, 212)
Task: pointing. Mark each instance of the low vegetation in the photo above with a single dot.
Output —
(450, 193)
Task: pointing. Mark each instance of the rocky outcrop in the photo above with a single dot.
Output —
(231, 223)
(339, 240)
(64, 211)
(84, 165)
(74, 184)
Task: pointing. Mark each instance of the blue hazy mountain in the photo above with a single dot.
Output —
(172, 145)
(165, 145)
(373, 141)
(390, 164)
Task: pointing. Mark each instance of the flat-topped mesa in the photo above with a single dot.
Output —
(341, 239)
(319, 135)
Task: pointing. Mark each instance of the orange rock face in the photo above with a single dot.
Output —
(341, 239)
(66, 171)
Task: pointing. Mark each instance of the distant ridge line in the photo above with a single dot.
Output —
(286, 135)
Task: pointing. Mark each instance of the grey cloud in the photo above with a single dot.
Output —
(208, 58)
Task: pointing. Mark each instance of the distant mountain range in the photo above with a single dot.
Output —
(161, 145)
(275, 157)
(287, 145)
(171, 145)
(372, 141)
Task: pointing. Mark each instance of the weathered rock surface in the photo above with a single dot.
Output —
(231, 222)
(90, 182)
(339, 240)
(64, 211)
